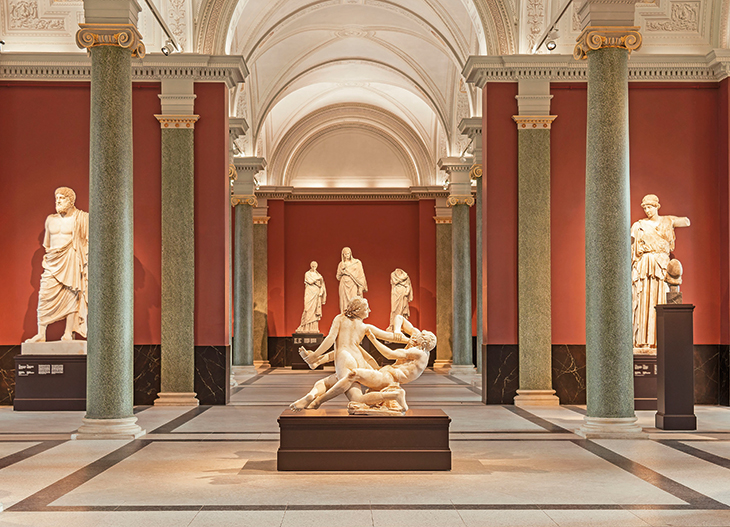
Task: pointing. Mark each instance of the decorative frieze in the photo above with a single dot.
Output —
(684, 16)
(351, 194)
(598, 37)
(180, 122)
(24, 16)
(123, 35)
(534, 122)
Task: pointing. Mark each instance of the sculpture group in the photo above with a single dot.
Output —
(653, 271)
(64, 282)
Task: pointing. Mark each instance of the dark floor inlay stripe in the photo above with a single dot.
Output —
(28, 452)
(539, 421)
(576, 409)
(41, 499)
(676, 489)
(167, 428)
(696, 452)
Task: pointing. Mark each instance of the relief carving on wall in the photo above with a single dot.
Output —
(535, 16)
(24, 15)
(684, 16)
(176, 18)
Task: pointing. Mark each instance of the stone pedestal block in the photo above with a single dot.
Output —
(58, 347)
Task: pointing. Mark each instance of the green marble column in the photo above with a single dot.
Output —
(609, 346)
(178, 265)
(260, 292)
(479, 267)
(243, 285)
(109, 399)
(533, 263)
(461, 285)
(444, 311)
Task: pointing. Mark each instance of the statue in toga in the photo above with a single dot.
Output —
(315, 295)
(64, 282)
(352, 279)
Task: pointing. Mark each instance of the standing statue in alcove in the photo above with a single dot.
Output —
(315, 294)
(64, 282)
(652, 241)
(352, 279)
(401, 293)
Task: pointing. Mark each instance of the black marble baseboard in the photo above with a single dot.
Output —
(213, 374)
(146, 374)
(707, 373)
(502, 373)
(277, 347)
(7, 373)
(723, 381)
(569, 373)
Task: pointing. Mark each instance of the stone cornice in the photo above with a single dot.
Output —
(156, 67)
(177, 122)
(713, 67)
(237, 127)
(534, 122)
(470, 126)
(257, 164)
(351, 194)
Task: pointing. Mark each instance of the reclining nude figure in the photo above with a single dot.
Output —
(384, 383)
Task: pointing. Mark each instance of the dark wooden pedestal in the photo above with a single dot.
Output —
(645, 372)
(334, 440)
(50, 382)
(311, 341)
(675, 367)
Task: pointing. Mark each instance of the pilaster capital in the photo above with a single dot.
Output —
(442, 220)
(471, 126)
(460, 200)
(177, 122)
(237, 127)
(534, 122)
(246, 168)
(598, 37)
(238, 199)
(122, 35)
(476, 171)
(261, 220)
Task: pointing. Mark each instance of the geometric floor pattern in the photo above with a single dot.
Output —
(216, 466)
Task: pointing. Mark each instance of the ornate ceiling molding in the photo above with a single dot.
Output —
(351, 194)
(563, 68)
(77, 66)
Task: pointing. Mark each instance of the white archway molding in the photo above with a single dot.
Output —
(215, 23)
(384, 125)
(724, 29)
(277, 95)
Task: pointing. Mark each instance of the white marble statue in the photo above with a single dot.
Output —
(652, 240)
(352, 279)
(64, 282)
(401, 293)
(315, 295)
(370, 389)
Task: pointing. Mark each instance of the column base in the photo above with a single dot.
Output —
(243, 370)
(261, 364)
(125, 428)
(462, 369)
(536, 398)
(176, 399)
(611, 428)
(442, 364)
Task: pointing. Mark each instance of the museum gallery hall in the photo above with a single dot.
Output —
(365, 263)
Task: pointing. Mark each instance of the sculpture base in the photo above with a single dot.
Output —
(50, 382)
(176, 399)
(333, 440)
(56, 347)
(442, 364)
(124, 428)
(645, 382)
(536, 398)
(310, 341)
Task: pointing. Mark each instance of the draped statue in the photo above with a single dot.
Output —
(652, 239)
(352, 279)
(315, 295)
(401, 293)
(64, 282)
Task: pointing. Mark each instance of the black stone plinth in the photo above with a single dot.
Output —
(675, 368)
(310, 341)
(50, 382)
(645, 375)
(333, 440)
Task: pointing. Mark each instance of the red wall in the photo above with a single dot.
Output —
(32, 166)
(383, 235)
(723, 173)
(677, 138)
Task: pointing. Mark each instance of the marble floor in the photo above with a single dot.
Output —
(216, 466)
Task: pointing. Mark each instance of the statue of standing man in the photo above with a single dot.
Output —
(64, 282)
(352, 279)
(652, 239)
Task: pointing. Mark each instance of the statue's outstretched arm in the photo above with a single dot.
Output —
(327, 343)
(384, 350)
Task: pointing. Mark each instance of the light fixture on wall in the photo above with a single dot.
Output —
(169, 47)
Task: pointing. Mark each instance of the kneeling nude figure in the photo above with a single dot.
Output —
(383, 383)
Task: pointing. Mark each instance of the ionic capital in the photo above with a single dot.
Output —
(598, 37)
(460, 200)
(177, 122)
(243, 200)
(476, 171)
(534, 122)
(122, 35)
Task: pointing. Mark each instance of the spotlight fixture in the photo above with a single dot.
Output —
(552, 38)
(2, 43)
(169, 47)
(446, 183)
(256, 183)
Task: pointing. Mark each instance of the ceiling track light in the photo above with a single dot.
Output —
(2, 43)
(552, 28)
(169, 47)
(552, 38)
